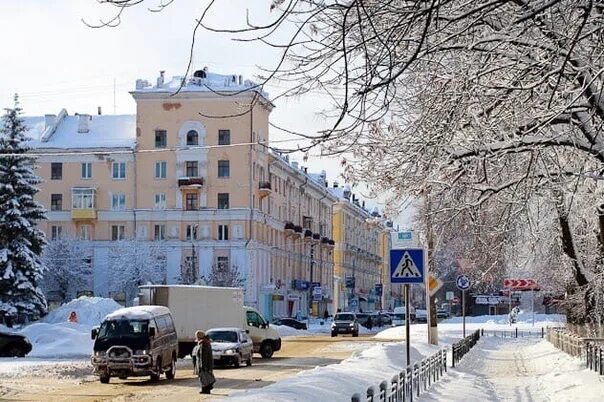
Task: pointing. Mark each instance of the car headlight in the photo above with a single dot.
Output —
(140, 352)
(333, 324)
(99, 353)
(229, 352)
(352, 324)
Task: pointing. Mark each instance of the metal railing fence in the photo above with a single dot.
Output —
(462, 347)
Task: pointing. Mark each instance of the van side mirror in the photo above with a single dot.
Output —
(247, 331)
(93, 333)
(152, 332)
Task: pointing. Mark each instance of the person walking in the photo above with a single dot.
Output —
(203, 362)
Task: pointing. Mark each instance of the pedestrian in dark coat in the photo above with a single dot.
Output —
(203, 362)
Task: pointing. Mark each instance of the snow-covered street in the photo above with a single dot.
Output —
(523, 369)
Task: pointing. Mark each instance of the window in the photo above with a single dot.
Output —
(160, 170)
(223, 232)
(161, 138)
(191, 232)
(84, 232)
(56, 232)
(160, 232)
(192, 138)
(118, 201)
(86, 171)
(254, 319)
(160, 201)
(82, 198)
(223, 200)
(191, 169)
(191, 201)
(307, 222)
(118, 170)
(224, 137)
(223, 169)
(56, 202)
(222, 262)
(118, 232)
(56, 171)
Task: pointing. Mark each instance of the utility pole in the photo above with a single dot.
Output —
(430, 300)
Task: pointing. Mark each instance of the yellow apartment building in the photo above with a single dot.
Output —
(191, 175)
(360, 256)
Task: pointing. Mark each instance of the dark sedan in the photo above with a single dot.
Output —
(290, 322)
(14, 345)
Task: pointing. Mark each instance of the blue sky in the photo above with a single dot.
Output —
(53, 60)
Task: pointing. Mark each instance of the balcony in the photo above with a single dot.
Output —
(316, 237)
(83, 203)
(83, 213)
(289, 228)
(307, 235)
(264, 189)
(298, 229)
(190, 182)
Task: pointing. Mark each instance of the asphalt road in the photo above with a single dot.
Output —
(297, 354)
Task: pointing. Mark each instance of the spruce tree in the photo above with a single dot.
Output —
(21, 242)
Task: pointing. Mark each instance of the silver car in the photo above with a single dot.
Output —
(231, 346)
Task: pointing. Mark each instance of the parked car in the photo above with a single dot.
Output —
(14, 345)
(421, 315)
(290, 322)
(381, 319)
(231, 346)
(363, 318)
(441, 314)
(135, 341)
(345, 323)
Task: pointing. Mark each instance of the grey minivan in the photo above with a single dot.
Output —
(135, 341)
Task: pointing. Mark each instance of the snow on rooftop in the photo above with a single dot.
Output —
(64, 131)
(138, 313)
(201, 81)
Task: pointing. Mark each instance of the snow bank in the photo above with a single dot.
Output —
(90, 310)
(315, 327)
(337, 382)
(64, 340)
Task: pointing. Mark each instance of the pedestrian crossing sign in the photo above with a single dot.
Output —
(407, 265)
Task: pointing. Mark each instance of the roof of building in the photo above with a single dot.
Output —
(62, 131)
(201, 81)
(138, 313)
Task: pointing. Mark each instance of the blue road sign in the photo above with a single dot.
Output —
(407, 265)
(353, 303)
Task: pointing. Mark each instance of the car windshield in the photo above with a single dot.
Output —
(223, 336)
(120, 328)
(344, 317)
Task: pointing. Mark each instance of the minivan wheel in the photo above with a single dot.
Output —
(171, 373)
(155, 376)
(266, 350)
(104, 379)
(16, 351)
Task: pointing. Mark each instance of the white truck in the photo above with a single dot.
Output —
(206, 307)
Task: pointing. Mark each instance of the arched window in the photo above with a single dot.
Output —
(192, 137)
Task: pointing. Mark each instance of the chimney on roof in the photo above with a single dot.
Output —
(363, 204)
(98, 110)
(240, 80)
(160, 79)
(83, 123)
(305, 169)
(49, 120)
(347, 192)
(335, 184)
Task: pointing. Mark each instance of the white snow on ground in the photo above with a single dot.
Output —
(523, 369)
(338, 382)
(76, 369)
(55, 337)
(315, 327)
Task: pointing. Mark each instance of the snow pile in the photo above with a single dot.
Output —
(284, 331)
(63, 340)
(90, 310)
(337, 382)
(315, 327)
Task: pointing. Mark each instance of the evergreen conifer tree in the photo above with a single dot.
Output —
(21, 242)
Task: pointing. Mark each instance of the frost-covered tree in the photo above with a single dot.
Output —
(133, 263)
(21, 242)
(68, 268)
(224, 275)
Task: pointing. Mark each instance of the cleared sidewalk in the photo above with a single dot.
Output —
(526, 369)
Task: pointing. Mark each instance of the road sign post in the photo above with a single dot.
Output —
(463, 283)
(407, 266)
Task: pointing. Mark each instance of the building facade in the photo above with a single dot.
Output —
(189, 179)
(359, 255)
